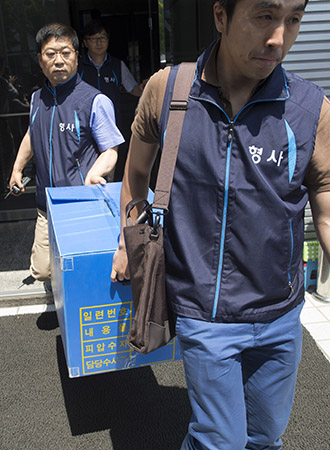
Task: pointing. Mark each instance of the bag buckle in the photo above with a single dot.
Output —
(155, 228)
(158, 211)
(178, 105)
(153, 221)
(146, 215)
(152, 216)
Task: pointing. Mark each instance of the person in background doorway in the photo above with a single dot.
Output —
(72, 134)
(102, 70)
(254, 149)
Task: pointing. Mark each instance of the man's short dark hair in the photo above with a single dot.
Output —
(57, 31)
(229, 7)
(93, 27)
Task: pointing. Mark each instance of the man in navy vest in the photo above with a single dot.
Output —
(72, 134)
(102, 70)
(254, 148)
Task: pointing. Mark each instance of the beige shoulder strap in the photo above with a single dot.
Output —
(178, 107)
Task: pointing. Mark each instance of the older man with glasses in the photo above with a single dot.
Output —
(72, 135)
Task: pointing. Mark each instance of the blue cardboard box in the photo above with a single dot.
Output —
(94, 314)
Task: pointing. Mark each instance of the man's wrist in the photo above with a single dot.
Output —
(17, 171)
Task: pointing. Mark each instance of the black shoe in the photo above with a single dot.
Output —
(48, 286)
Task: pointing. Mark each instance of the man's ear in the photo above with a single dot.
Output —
(220, 17)
(39, 58)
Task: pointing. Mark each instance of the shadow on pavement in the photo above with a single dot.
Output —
(47, 321)
(137, 411)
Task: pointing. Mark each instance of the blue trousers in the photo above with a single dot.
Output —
(241, 380)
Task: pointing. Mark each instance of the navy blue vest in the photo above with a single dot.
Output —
(107, 79)
(63, 145)
(234, 232)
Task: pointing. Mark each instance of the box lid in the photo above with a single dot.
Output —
(85, 219)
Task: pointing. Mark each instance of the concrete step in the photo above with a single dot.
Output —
(18, 288)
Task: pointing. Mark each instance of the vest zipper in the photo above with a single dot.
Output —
(99, 79)
(50, 139)
(80, 172)
(291, 257)
(224, 219)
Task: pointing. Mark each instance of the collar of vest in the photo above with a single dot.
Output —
(86, 60)
(274, 88)
(63, 88)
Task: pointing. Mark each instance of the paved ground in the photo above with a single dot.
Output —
(15, 242)
(138, 409)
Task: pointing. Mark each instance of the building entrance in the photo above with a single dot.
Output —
(145, 34)
(134, 38)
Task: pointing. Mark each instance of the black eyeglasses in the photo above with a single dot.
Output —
(96, 39)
